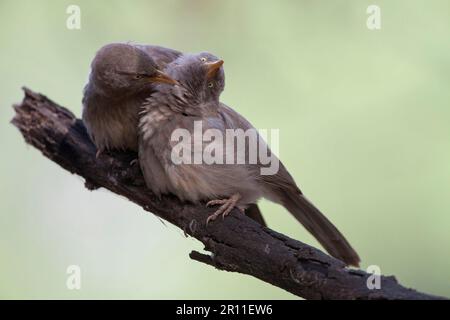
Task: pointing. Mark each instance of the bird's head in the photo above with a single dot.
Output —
(125, 69)
(200, 74)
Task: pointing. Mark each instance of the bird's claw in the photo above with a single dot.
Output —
(226, 205)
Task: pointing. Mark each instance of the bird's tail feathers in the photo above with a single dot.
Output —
(320, 227)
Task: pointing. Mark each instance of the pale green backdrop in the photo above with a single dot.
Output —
(364, 119)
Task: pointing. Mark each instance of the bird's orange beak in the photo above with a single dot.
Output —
(162, 78)
(212, 68)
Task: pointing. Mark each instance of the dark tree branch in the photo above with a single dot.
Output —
(237, 244)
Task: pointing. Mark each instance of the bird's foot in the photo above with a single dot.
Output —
(226, 205)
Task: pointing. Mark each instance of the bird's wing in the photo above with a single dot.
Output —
(234, 120)
(281, 188)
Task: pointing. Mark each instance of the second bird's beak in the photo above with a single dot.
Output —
(213, 67)
(162, 78)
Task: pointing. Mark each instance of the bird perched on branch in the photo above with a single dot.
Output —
(196, 100)
(122, 77)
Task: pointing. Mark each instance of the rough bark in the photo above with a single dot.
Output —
(237, 244)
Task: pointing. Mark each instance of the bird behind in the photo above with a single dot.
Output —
(121, 78)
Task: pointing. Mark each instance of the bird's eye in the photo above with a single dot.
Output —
(210, 85)
(138, 76)
(203, 59)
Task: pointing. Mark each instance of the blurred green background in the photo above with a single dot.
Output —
(364, 119)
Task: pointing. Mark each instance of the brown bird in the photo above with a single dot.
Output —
(195, 100)
(122, 77)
